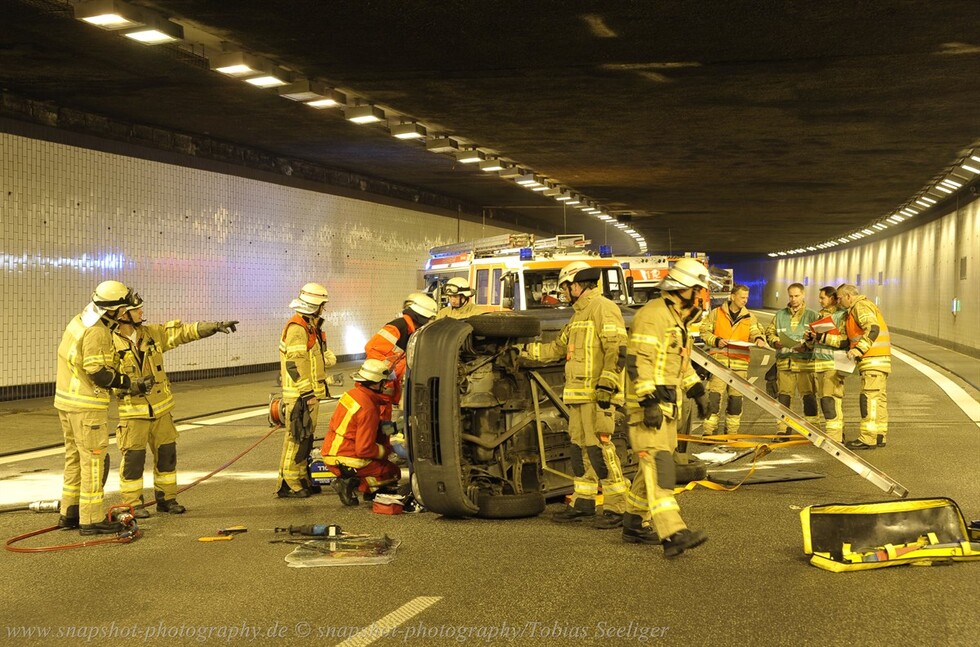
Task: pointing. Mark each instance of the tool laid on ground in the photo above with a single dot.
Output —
(232, 530)
(799, 424)
(217, 538)
(314, 530)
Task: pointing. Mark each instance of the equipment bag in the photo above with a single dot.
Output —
(856, 537)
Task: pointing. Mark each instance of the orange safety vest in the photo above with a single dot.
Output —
(311, 331)
(878, 356)
(353, 437)
(728, 330)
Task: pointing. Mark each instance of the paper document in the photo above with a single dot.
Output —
(740, 344)
(842, 362)
(825, 325)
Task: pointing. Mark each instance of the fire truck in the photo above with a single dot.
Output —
(518, 271)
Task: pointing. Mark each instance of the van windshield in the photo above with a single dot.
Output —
(541, 287)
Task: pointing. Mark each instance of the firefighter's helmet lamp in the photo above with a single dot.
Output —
(310, 298)
(112, 295)
(458, 286)
(685, 273)
(372, 370)
(421, 304)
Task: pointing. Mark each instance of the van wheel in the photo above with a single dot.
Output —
(504, 324)
(691, 472)
(510, 506)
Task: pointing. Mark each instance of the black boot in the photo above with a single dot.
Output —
(608, 521)
(634, 532)
(171, 506)
(347, 490)
(583, 509)
(682, 540)
(69, 520)
(286, 493)
(104, 527)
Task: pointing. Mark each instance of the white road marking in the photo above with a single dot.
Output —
(959, 397)
(386, 626)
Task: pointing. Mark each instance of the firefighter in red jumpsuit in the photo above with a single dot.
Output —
(357, 448)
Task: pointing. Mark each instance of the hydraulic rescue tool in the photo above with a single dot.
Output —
(314, 530)
(799, 424)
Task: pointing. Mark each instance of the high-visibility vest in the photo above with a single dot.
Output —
(312, 352)
(353, 436)
(877, 356)
(144, 357)
(739, 329)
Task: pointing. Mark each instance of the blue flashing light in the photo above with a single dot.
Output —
(605, 251)
(625, 265)
(527, 254)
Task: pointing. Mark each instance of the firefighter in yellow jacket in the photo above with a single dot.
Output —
(659, 375)
(303, 359)
(145, 416)
(727, 323)
(870, 346)
(88, 369)
(593, 344)
(830, 382)
(460, 295)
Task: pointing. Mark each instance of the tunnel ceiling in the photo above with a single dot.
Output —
(718, 125)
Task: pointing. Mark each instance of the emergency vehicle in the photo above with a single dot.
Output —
(518, 271)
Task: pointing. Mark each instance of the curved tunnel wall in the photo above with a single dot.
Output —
(197, 245)
(914, 277)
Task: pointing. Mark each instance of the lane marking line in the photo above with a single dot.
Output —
(384, 627)
(956, 393)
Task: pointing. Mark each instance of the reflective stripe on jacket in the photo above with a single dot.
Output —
(83, 351)
(823, 354)
(721, 324)
(353, 437)
(593, 343)
(389, 344)
(659, 351)
(304, 346)
(143, 357)
(876, 354)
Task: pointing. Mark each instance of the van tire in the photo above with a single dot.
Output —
(504, 324)
(510, 506)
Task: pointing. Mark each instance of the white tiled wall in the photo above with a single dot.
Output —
(197, 246)
(919, 276)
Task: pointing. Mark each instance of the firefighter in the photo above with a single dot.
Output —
(459, 295)
(389, 343)
(794, 361)
(870, 346)
(145, 417)
(88, 369)
(830, 382)
(659, 371)
(729, 322)
(357, 447)
(593, 344)
(304, 359)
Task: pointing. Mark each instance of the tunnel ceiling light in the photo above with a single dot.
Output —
(491, 165)
(408, 130)
(470, 156)
(867, 232)
(950, 182)
(528, 180)
(238, 64)
(315, 95)
(108, 14)
(563, 196)
(971, 165)
(364, 114)
(940, 187)
(552, 191)
(441, 145)
(603, 216)
(510, 172)
(266, 81)
(880, 226)
(156, 32)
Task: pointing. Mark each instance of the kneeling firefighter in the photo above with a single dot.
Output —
(659, 371)
(357, 447)
(593, 343)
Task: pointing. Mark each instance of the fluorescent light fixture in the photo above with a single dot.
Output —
(908, 212)
(469, 156)
(951, 182)
(880, 226)
(843, 240)
(923, 202)
(773, 254)
(157, 32)
(940, 187)
(867, 232)
(552, 191)
(237, 64)
(108, 14)
(509, 172)
(315, 95)
(603, 216)
(574, 202)
(408, 130)
(971, 166)
(441, 145)
(266, 81)
(365, 114)
(896, 218)
(528, 180)
(564, 196)
(539, 188)
(811, 249)
(491, 165)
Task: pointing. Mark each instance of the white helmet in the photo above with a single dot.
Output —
(458, 285)
(110, 295)
(578, 272)
(685, 273)
(421, 304)
(311, 297)
(372, 370)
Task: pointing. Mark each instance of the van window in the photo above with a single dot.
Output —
(482, 284)
(495, 287)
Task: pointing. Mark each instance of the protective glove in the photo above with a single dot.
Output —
(141, 386)
(700, 397)
(300, 420)
(603, 397)
(208, 328)
(388, 428)
(665, 393)
(653, 417)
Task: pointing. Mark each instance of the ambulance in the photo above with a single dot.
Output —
(518, 271)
